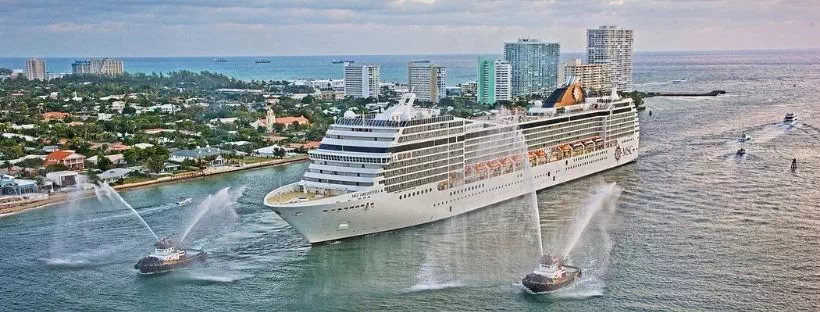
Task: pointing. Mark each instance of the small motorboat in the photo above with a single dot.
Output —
(220, 60)
(744, 137)
(168, 257)
(184, 201)
(679, 80)
(552, 274)
(741, 152)
(262, 61)
(789, 118)
(794, 164)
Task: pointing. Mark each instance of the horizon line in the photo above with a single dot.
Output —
(412, 54)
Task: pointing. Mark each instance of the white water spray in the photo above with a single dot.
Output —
(111, 193)
(533, 197)
(224, 199)
(604, 197)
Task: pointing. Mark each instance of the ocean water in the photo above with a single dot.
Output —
(695, 228)
(460, 68)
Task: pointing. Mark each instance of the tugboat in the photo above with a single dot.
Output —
(167, 257)
(551, 275)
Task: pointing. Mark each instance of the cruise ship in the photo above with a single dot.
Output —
(408, 165)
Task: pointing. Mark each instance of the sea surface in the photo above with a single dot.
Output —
(460, 67)
(695, 228)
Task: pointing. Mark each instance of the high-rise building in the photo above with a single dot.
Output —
(534, 65)
(613, 46)
(35, 69)
(592, 76)
(105, 66)
(81, 67)
(494, 82)
(428, 81)
(361, 81)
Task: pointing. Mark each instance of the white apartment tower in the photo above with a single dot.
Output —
(428, 81)
(613, 46)
(35, 69)
(106, 67)
(361, 81)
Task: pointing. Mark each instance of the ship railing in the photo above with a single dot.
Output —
(367, 120)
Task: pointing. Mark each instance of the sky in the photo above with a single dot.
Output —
(118, 28)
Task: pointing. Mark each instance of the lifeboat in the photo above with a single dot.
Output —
(599, 143)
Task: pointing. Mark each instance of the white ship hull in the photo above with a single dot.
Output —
(376, 211)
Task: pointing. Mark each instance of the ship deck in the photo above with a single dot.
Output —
(292, 197)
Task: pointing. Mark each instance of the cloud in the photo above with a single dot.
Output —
(73, 27)
(289, 27)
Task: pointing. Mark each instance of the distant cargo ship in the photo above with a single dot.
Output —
(220, 60)
(262, 61)
(341, 62)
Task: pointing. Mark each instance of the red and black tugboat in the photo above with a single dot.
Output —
(551, 275)
(168, 257)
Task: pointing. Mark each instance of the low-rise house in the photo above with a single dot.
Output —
(21, 159)
(116, 159)
(224, 120)
(23, 127)
(64, 178)
(104, 116)
(309, 145)
(164, 108)
(113, 175)
(118, 147)
(118, 106)
(288, 121)
(12, 186)
(269, 151)
(200, 154)
(54, 116)
(67, 158)
(28, 138)
(158, 131)
(50, 148)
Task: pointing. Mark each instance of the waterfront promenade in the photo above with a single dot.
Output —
(61, 197)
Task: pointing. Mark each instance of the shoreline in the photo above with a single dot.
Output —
(59, 198)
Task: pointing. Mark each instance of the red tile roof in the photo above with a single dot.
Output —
(289, 120)
(55, 115)
(59, 155)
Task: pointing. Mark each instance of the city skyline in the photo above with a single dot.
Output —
(251, 28)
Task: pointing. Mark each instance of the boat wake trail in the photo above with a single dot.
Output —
(81, 260)
(210, 278)
(434, 286)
